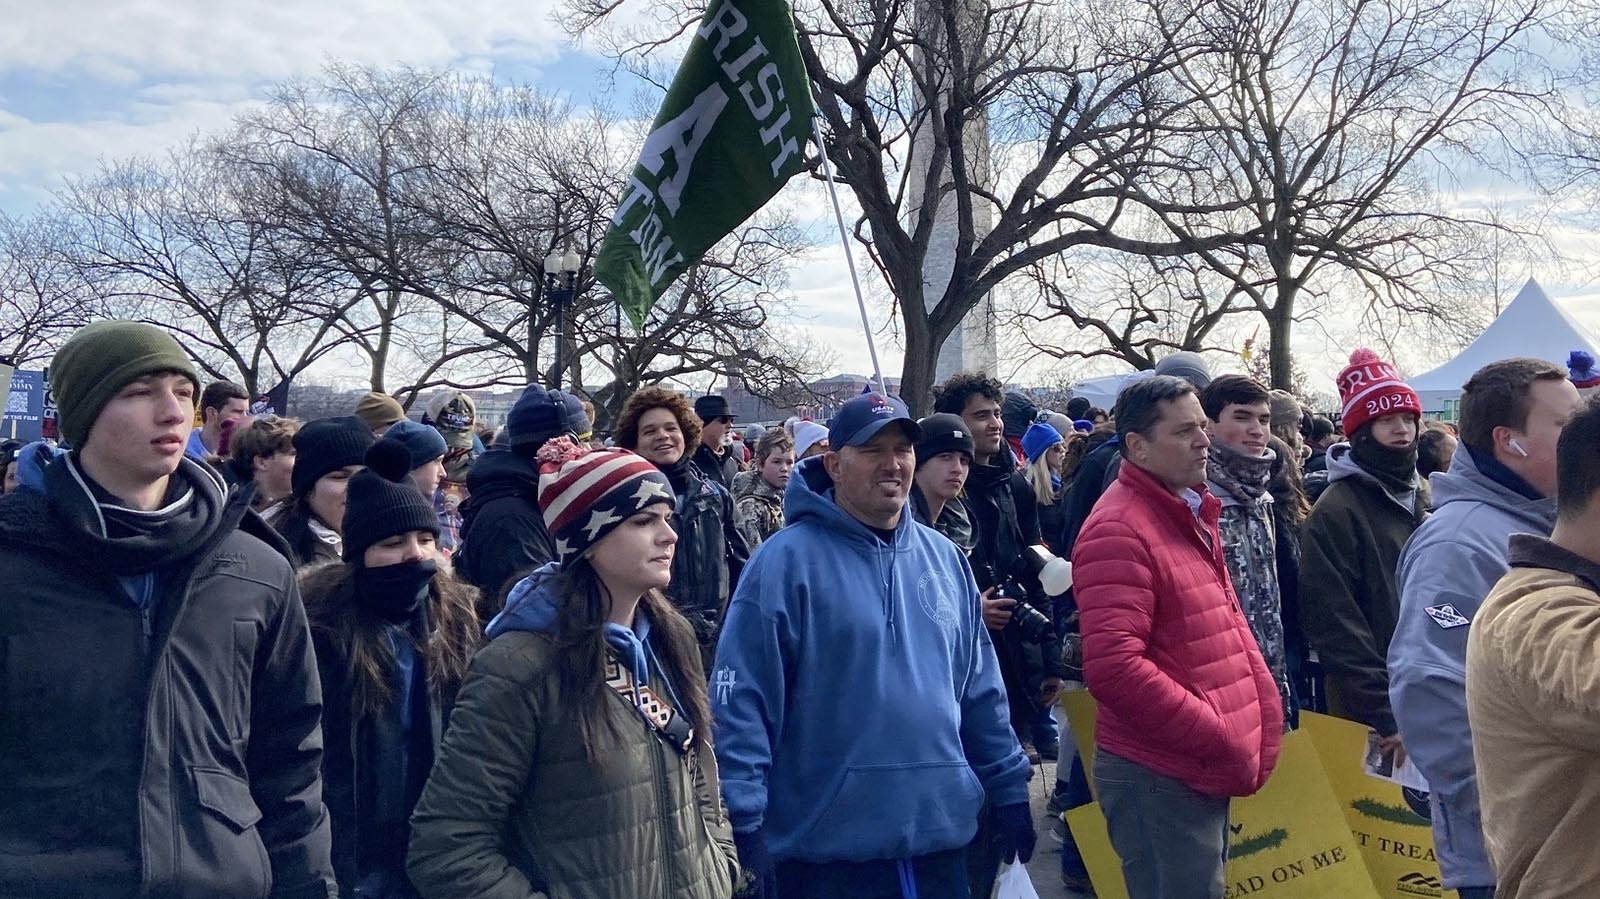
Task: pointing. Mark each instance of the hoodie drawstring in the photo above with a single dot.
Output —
(908, 879)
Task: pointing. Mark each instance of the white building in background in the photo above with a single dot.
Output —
(972, 346)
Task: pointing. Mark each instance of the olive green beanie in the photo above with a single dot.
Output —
(99, 361)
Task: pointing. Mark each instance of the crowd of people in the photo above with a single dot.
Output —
(371, 656)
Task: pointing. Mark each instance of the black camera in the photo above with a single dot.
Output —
(1034, 625)
(1030, 623)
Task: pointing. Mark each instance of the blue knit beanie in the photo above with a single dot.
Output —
(423, 444)
(1039, 438)
(540, 414)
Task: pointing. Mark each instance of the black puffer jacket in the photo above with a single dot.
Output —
(502, 531)
(1005, 520)
(169, 753)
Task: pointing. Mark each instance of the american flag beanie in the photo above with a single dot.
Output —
(583, 494)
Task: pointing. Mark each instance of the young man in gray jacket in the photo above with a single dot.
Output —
(1501, 482)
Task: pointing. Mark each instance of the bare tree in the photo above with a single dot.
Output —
(1122, 306)
(170, 244)
(42, 297)
(443, 194)
(1324, 145)
(323, 164)
(1024, 119)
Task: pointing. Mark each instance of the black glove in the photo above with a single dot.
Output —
(1015, 824)
(761, 876)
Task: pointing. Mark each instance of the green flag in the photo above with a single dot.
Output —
(732, 130)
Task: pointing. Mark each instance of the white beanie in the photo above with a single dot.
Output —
(806, 435)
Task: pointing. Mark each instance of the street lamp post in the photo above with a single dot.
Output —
(561, 282)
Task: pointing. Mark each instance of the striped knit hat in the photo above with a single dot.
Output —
(584, 494)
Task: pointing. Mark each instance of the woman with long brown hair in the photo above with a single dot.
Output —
(578, 761)
(393, 635)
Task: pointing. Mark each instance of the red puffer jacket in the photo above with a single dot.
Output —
(1181, 684)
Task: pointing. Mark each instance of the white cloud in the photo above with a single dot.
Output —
(254, 39)
(35, 156)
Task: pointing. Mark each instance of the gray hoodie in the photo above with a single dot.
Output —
(1446, 570)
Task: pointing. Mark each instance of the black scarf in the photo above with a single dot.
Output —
(1395, 469)
(678, 473)
(1244, 477)
(128, 541)
(396, 593)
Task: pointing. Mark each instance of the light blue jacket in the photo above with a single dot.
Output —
(1448, 566)
(857, 699)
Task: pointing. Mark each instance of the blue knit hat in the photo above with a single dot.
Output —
(1039, 438)
(541, 414)
(422, 443)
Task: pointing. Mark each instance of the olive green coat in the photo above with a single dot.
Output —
(512, 782)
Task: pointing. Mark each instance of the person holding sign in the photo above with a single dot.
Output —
(1190, 715)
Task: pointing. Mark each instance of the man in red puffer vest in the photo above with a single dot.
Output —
(1189, 713)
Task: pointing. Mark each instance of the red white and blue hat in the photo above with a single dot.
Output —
(583, 494)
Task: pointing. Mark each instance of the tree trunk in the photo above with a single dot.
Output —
(1279, 325)
(922, 359)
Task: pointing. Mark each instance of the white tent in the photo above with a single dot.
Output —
(1532, 325)
(1102, 392)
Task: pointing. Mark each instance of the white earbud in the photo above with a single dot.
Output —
(1517, 445)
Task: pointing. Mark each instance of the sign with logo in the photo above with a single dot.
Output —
(1286, 842)
(24, 406)
(1391, 821)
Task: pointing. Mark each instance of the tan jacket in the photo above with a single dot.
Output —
(1533, 697)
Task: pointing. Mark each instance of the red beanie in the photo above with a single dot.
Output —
(1370, 388)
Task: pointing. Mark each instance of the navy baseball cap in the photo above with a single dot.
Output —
(862, 417)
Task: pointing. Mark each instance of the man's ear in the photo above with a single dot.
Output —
(1137, 445)
(832, 464)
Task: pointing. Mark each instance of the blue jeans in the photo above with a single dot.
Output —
(1173, 842)
(937, 875)
(1076, 787)
(1045, 730)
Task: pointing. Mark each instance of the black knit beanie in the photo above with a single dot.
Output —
(943, 432)
(99, 360)
(327, 445)
(382, 501)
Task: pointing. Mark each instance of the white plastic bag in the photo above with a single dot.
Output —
(1014, 883)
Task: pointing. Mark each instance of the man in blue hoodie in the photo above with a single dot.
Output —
(1501, 482)
(860, 717)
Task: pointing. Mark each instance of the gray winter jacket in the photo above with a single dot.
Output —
(1447, 568)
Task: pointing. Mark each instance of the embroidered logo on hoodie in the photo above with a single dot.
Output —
(936, 593)
(1446, 616)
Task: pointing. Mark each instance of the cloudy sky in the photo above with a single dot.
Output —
(81, 81)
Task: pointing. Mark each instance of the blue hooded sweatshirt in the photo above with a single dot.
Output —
(857, 699)
(1447, 568)
(32, 460)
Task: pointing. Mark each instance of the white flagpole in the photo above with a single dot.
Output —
(849, 258)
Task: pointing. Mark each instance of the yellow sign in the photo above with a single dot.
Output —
(1391, 823)
(1289, 841)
